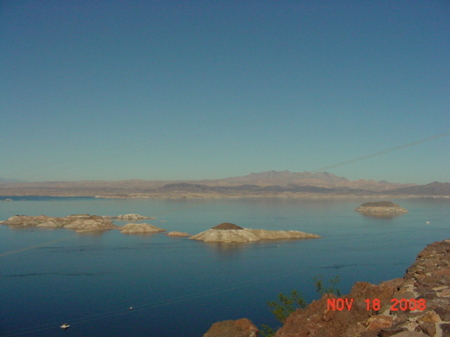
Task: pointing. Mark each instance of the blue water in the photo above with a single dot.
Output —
(179, 287)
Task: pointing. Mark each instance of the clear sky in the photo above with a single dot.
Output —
(210, 89)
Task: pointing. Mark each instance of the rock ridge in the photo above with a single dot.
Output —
(417, 305)
(427, 281)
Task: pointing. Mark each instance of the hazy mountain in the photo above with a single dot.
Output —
(264, 184)
(434, 188)
(285, 177)
(318, 179)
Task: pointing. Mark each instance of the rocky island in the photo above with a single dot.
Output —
(230, 233)
(417, 305)
(140, 228)
(83, 223)
(133, 217)
(77, 222)
(381, 208)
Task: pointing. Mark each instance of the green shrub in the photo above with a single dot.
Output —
(286, 305)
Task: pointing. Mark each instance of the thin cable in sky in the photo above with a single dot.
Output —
(351, 161)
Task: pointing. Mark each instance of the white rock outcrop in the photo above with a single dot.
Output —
(264, 234)
(227, 232)
(229, 235)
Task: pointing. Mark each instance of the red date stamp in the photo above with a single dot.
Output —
(340, 304)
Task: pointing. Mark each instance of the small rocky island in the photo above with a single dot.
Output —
(231, 233)
(83, 223)
(140, 228)
(77, 222)
(133, 217)
(381, 208)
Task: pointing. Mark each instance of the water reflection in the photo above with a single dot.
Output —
(227, 250)
(93, 234)
(381, 215)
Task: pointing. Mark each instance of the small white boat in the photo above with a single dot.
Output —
(65, 326)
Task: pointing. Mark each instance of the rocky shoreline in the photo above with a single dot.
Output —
(417, 305)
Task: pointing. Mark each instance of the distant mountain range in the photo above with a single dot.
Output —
(319, 179)
(265, 184)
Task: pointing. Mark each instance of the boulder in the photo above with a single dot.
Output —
(239, 328)
(140, 228)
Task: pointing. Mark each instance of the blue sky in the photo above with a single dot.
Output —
(211, 89)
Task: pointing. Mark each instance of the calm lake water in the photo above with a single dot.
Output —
(179, 287)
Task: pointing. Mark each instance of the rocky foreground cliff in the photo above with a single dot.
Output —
(417, 305)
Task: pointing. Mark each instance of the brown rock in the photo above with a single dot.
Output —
(410, 334)
(240, 328)
(377, 322)
(445, 327)
(368, 334)
(388, 332)
(427, 328)
(429, 317)
(444, 313)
